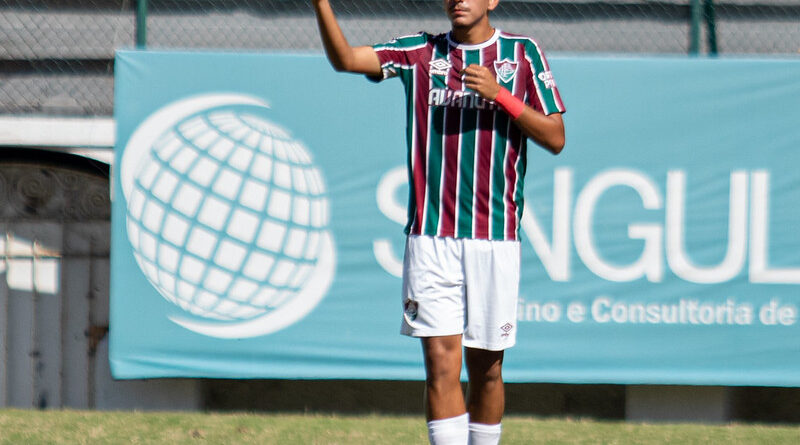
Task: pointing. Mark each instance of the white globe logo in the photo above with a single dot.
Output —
(227, 216)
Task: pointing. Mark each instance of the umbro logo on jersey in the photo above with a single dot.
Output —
(505, 69)
(439, 67)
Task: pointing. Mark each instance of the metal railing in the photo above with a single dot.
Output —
(56, 56)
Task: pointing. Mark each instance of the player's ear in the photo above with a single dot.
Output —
(493, 4)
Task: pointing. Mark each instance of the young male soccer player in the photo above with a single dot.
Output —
(473, 96)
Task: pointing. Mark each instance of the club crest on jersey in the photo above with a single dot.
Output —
(439, 67)
(505, 69)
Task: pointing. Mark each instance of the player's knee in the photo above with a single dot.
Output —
(491, 376)
(442, 380)
(485, 367)
(443, 368)
(443, 363)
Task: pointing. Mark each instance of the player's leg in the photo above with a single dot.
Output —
(443, 394)
(491, 277)
(444, 400)
(433, 303)
(485, 392)
(485, 395)
(491, 280)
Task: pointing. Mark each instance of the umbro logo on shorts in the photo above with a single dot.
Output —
(506, 328)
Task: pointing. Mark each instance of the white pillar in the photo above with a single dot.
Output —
(668, 403)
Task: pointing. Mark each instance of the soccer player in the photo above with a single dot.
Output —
(473, 95)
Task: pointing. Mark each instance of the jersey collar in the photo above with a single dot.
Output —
(468, 47)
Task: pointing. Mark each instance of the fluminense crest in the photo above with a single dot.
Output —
(506, 69)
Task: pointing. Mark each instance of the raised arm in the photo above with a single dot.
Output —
(545, 130)
(343, 57)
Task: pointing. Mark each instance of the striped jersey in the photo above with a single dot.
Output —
(466, 158)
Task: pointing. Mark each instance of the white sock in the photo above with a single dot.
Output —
(483, 434)
(450, 431)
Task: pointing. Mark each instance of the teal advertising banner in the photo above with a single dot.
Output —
(259, 202)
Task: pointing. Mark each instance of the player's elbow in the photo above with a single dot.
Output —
(554, 143)
(344, 66)
(339, 61)
(551, 134)
(557, 145)
(338, 64)
(558, 137)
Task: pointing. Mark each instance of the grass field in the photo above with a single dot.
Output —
(88, 427)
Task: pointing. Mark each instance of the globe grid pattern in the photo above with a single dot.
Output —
(226, 215)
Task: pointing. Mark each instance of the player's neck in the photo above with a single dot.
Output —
(472, 35)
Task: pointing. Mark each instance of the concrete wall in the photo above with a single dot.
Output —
(638, 403)
(54, 290)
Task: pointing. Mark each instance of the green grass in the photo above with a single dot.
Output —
(88, 427)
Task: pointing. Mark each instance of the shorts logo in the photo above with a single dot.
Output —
(506, 328)
(547, 78)
(410, 308)
(506, 69)
(439, 67)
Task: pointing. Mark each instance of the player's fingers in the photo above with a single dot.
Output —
(476, 83)
(470, 76)
(474, 70)
(472, 80)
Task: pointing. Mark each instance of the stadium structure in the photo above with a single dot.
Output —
(57, 138)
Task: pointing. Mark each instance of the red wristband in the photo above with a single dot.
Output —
(510, 103)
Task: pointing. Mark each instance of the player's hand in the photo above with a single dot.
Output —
(481, 80)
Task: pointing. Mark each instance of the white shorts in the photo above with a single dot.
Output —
(461, 286)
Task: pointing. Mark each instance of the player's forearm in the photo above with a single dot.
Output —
(547, 131)
(338, 50)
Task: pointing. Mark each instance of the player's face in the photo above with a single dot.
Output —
(468, 13)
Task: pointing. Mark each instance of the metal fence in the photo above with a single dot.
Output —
(56, 56)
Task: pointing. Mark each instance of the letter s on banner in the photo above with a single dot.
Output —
(554, 256)
(395, 211)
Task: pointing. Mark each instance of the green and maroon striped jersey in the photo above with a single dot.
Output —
(466, 158)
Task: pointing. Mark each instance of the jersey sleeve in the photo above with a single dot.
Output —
(396, 55)
(543, 94)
